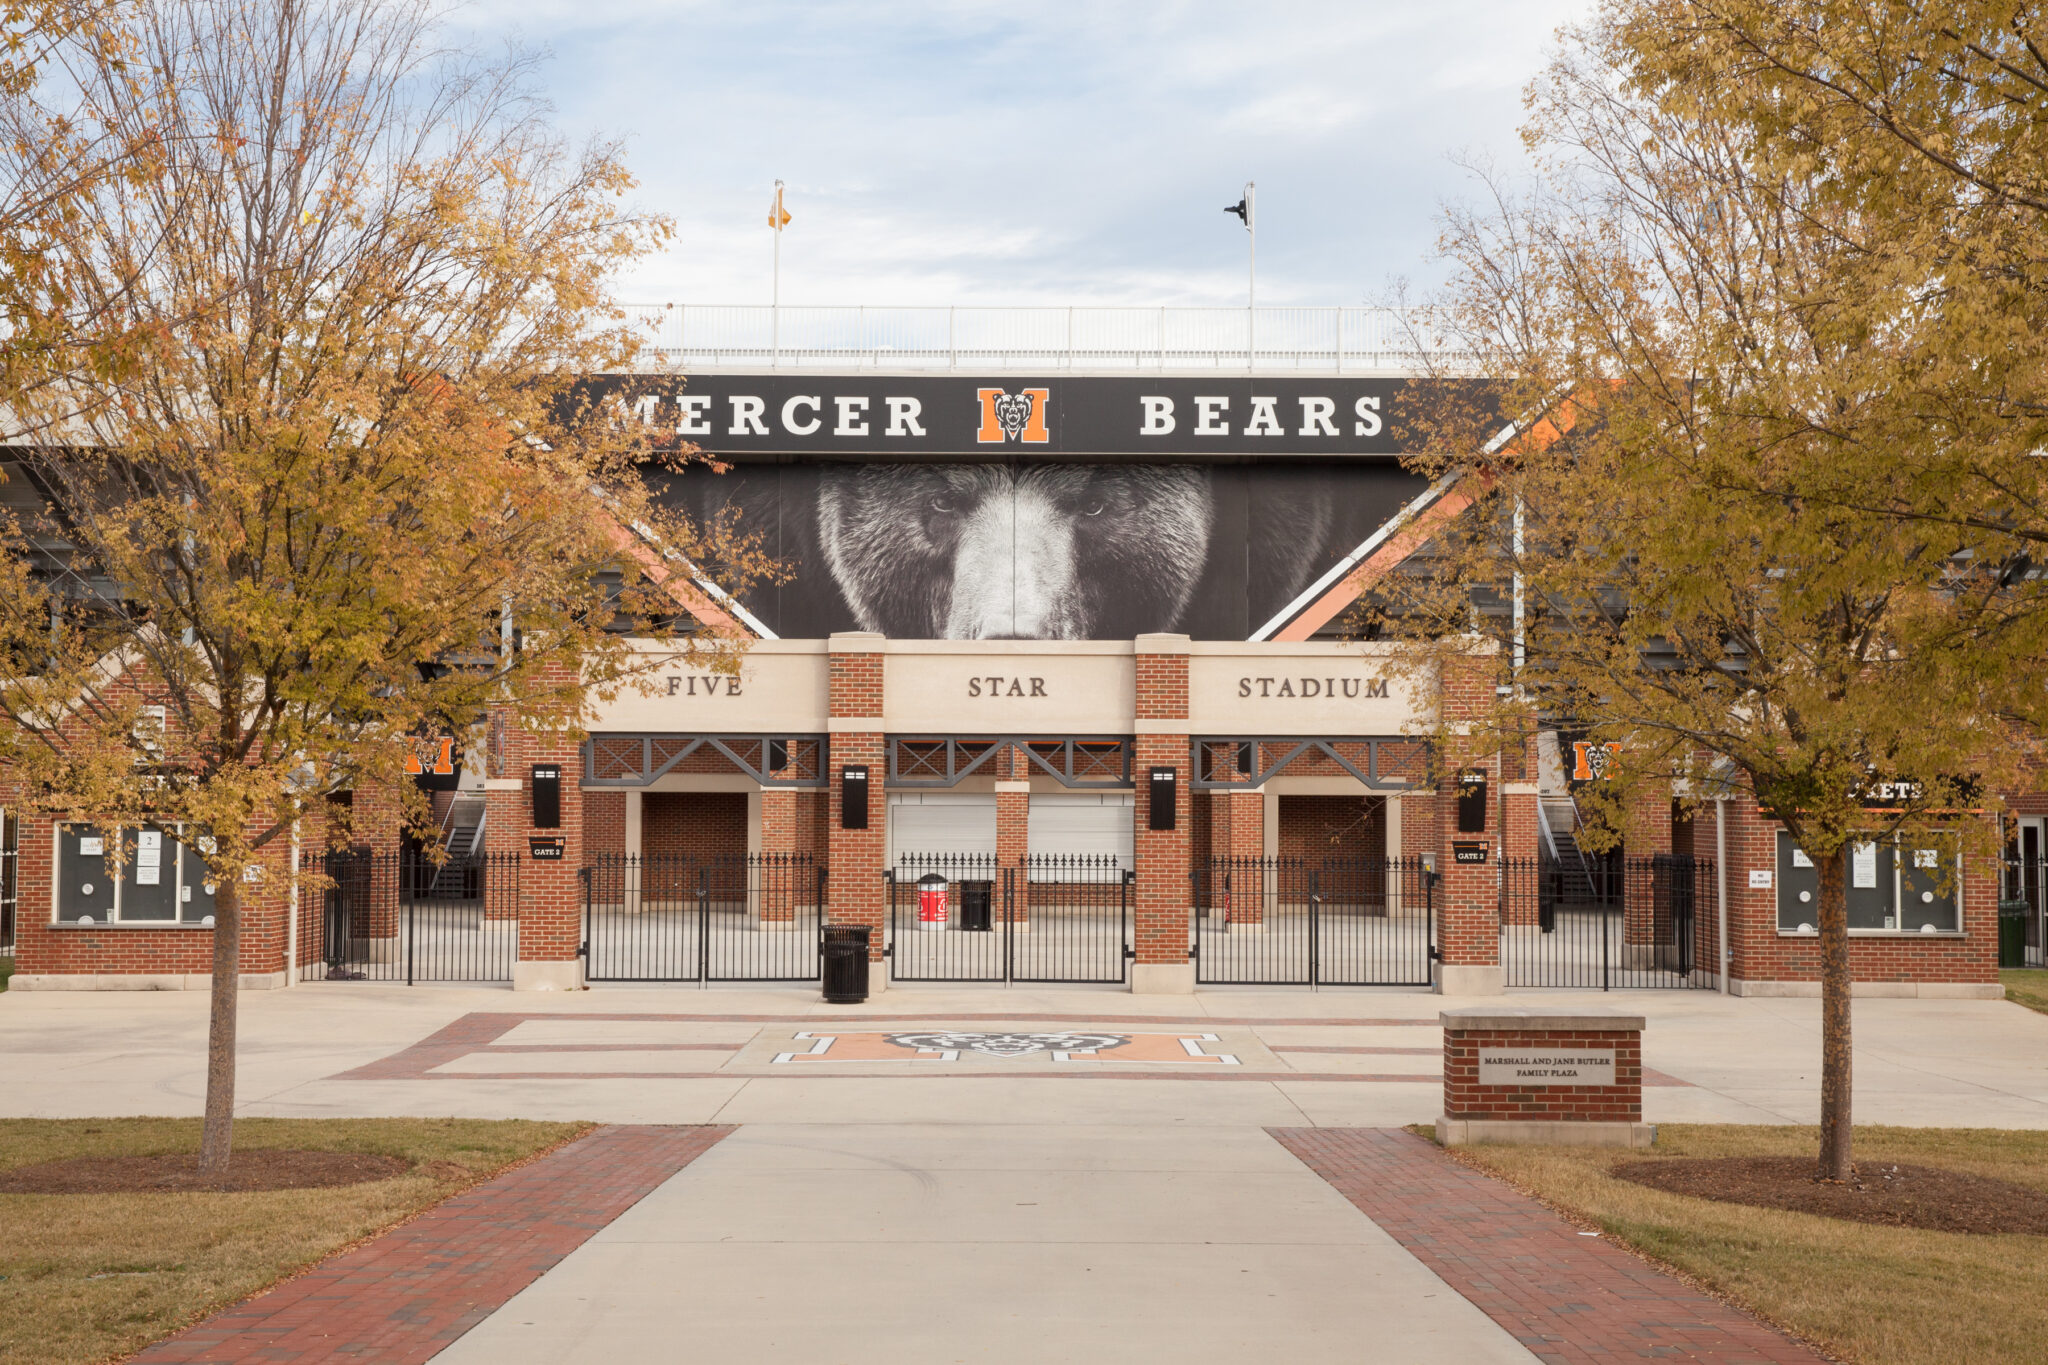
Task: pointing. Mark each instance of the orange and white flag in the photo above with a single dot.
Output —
(778, 216)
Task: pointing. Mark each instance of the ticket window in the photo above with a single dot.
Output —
(1930, 886)
(85, 874)
(1914, 888)
(149, 876)
(162, 880)
(1872, 885)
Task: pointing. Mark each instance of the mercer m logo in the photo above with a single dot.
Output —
(1590, 761)
(1013, 417)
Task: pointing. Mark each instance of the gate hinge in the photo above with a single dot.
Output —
(1130, 953)
(583, 950)
(1435, 953)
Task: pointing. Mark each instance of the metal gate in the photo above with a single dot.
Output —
(677, 917)
(965, 917)
(1622, 924)
(403, 917)
(1322, 922)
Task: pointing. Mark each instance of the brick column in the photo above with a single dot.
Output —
(1467, 894)
(853, 889)
(778, 872)
(1013, 839)
(1646, 918)
(551, 889)
(1161, 910)
(1239, 832)
(1521, 839)
(504, 812)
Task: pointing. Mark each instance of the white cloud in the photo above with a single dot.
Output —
(989, 152)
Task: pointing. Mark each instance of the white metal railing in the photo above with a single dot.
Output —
(1092, 339)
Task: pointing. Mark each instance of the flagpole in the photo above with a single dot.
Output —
(775, 298)
(1251, 292)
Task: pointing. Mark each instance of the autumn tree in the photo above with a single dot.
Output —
(1696, 541)
(347, 489)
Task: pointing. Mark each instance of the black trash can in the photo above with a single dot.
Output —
(975, 900)
(845, 965)
(2012, 933)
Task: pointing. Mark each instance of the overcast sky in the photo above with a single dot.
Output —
(1023, 152)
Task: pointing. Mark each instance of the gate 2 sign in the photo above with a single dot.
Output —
(545, 848)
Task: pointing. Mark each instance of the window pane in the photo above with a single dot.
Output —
(150, 876)
(85, 880)
(1872, 903)
(1798, 887)
(195, 897)
(1931, 886)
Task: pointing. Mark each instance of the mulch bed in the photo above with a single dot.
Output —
(1887, 1193)
(251, 1168)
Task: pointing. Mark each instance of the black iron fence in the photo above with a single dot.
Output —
(1643, 923)
(966, 917)
(404, 917)
(665, 917)
(1314, 922)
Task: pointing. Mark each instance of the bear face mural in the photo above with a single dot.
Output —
(1036, 552)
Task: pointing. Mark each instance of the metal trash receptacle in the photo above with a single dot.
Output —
(976, 900)
(844, 954)
(2012, 933)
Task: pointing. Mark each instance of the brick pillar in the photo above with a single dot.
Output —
(1161, 909)
(1013, 838)
(374, 824)
(1467, 894)
(1646, 832)
(1239, 832)
(504, 813)
(853, 890)
(551, 889)
(778, 874)
(1521, 840)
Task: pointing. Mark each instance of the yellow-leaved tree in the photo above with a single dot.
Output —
(311, 464)
(1713, 536)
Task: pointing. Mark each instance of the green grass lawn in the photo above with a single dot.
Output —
(90, 1277)
(2026, 986)
(1875, 1295)
(6, 969)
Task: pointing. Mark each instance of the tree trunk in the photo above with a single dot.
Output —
(1835, 1129)
(217, 1136)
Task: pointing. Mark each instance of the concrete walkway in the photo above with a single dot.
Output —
(1347, 1058)
(909, 1243)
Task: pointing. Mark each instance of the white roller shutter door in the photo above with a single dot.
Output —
(1083, 824)
(952, 824)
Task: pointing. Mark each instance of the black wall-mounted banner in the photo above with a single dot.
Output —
(545, 786)
(853, 796)
(1048, 415)
(1472, 802)
(1163, 798)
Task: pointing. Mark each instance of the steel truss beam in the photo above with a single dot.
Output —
(1225, 753)
(771, 760)
(1088, 761)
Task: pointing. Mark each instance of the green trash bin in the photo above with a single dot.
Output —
(2012, 933)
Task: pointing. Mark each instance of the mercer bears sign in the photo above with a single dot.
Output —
(912, 415)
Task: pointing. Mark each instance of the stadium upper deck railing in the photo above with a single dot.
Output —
(1097, 340)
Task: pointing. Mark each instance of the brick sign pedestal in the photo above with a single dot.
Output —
(1532, 1076)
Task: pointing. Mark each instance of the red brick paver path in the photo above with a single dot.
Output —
(408, 1294)
(1563, 1296)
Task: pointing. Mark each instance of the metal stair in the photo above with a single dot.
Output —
(465, 826)
(1560, 826)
